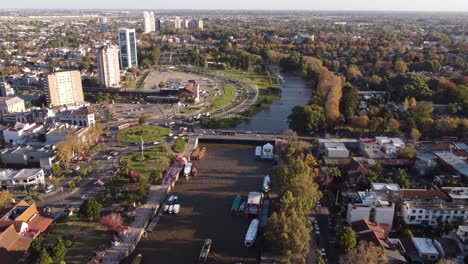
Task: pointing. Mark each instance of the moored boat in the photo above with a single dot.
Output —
(251, 233)
(266, 183)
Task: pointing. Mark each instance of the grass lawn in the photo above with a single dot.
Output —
(220, 101)
(150, 133)
(179, 145)
(146, 166)
(87, 236)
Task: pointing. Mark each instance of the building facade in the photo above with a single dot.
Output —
(10, 105)
(6, 89)
(177, 23)
(195, 24)
(369, 206)
(148, 22)
(64, 88)
(128, 50)
(21, 179)
(108, 65)
(103, 26)
(83, 116)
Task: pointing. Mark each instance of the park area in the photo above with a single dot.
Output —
(85, 237)
(145, 133)
(220, 101)
(174, 79)
(152, 157)
(227, 171)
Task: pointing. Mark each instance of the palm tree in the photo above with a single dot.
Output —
(126, 166)
(141, 121)
(34, 196)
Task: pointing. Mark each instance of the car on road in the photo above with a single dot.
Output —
(108, 157)
(156, 143)
(170, 134)
(248, 132)
(175, 137)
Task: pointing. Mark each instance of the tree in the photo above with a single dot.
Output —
(352, 72)
(347, 239)
(43, 258)
(90, 209)
(126, 166)
(34, 196)
(142, 121)
(5, 197)
(411, 85)
(393, 125)
(415, 134)
(291, 243)
(58, 250)
(349, 101)
(360, 122)
(407, 152)
(365, 253)
(72, 185)
(319, 257)
(401, 178)
(35, 249)
(113, 221)
(447, 261)
(412, 102)
(405, 232)
(400, 66)
(307, 118)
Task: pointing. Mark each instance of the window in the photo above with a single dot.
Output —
(427, 217)
(419, 216)
(412, 218)
(413, 211)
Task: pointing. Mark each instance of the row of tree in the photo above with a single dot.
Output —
(289, 229)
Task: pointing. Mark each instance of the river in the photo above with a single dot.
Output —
(275, 117)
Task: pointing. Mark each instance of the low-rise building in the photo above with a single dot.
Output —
(381, 147)
(426, 248)
(17, 134)
(457, 163)
(27, 156)
(10, 105)
(82, 116)
(369, 206)
(24, 179)
(335, 150)
(18, 228)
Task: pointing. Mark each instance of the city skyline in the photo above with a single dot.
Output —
(338, 5)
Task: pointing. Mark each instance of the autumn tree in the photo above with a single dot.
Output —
(360, 122)
(347, 239)
(400, 66)
(113, 221)
(415, 134)
(5, 197)
(365, 253)
(393, 125)
(352, 72)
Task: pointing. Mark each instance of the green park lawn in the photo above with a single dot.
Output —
(226, 98)
(179, 145)
(147, 165)
(150, 133)
(85, 236)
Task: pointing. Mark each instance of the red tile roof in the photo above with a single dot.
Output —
(422, 194)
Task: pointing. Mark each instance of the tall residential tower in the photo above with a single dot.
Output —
(108, 65)
(128, 50)
(64, 88)
(149, 22)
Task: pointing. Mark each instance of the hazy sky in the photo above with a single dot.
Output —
(390, 5)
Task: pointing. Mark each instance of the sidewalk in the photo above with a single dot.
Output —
(136, 229)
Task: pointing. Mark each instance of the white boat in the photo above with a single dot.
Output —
(187, 169)
(258, 152)
(251, 233)
(266, 183)
(169, 206)
(174, 209)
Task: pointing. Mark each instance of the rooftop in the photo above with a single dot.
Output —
(378, 186)
(422, 194)
(335, 145)
(458, 163)
(424, 245)
(456, 192)
(10, 174)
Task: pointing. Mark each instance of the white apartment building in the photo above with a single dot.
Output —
(9, 105)
(381, 147)
(370, 206)
(177, 23)
(83, 116)
(148, 22)
(17, 134)
(6, 89)
(427, 248)
(108, 65)
(21, 179)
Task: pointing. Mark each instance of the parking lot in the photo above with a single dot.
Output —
(205, 201)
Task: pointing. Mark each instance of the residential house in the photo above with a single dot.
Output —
(19, 227)
(335, 150)
(191, 92)
(23, 179)
(370, 206)
(381, 147)
(10, 105)
(427, 248)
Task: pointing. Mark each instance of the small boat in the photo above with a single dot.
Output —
(205, 251)
(241, 208)
(266, 183)
(235, 205)
(251, 233)
(169, 206)
(174, 209)
(187, 170)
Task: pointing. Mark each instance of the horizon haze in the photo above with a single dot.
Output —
(303, 5)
